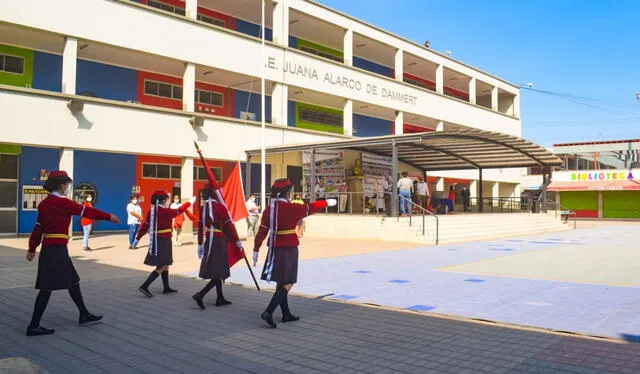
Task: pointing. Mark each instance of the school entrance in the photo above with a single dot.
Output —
(8, 192)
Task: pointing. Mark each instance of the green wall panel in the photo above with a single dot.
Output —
(579, 200)
(22, 80)
(10, 149)
(621, 204)
(319, 47)
(317, 126)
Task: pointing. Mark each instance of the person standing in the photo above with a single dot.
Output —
(55, 268)
(466, 197)
(344, 195)
(279, 220)
(297, 199)
(452, 198)
(87, 225)
(158, 225)
(215, 228)
(179, 220)
(134, 217)
(404, 190)
(254, 214)
(422, 192)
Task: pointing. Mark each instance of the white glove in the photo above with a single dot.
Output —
(192, 200)
(239, 244)
(255, 258)
(331, 202)
(200, 251)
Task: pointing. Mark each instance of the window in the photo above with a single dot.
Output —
(326, 55)
(213, 21)
(200, 174)
(161, 89)
(418, 83)
(12, 64)
(320, 117)
(167, 7)
(160, 171)
(210, 98)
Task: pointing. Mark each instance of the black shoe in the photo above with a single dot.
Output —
(169, 290)
(269, 320)
(130, 247)
(198, 298)
(87, 249)
(290, 318)
(88, 319)
(36, 331)
(222, 302)
(145, 291)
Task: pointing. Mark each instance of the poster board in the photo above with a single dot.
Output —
(378, 166)
(32, 195)
(329, 172)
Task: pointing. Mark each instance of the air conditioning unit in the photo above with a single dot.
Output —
(249, 116)
(75, 106)
(196, 121)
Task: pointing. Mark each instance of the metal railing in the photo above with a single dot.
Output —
(353, 202)
(565, 213)
(423, 212)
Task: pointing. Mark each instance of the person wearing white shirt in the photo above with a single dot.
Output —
(404, 190)
(134, 217)
(254, 214)
(422, 192)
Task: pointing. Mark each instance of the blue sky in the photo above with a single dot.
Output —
(584, 48)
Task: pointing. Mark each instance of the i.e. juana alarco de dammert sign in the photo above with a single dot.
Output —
(320, 73)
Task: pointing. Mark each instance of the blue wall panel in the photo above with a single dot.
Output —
(370, 126)
(252, 29)
(47, 71)
(291, 114)
(293, 42)
(243, 100)
(32, 160)
(113, 175)
(106, 81)
(255, 178)
(372, 66)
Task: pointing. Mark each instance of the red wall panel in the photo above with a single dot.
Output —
(155, 100)
(147, 185)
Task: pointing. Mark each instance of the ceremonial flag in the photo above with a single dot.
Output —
(233, 195)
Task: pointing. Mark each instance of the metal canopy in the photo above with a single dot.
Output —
(443, 150)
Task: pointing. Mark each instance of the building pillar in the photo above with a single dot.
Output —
(480, 192)
(191, 9)
(494, 98)
(398, 124)
(69, 61)
(394, 184)
(186, 191)
(347, 48)
(495, 193)
(440, 79)
(472, 90)
(440, 126)
(399, 65)
(281, 22)
(516, 105)
(600, 204)
(189, 87)
(66, 163)
(473, 193)
(279, 107)
(347, 117)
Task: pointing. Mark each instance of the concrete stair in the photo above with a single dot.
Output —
(453, 228)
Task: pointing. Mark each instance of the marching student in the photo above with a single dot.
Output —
(279, 220)
(158, 224)
(215, 227)
(87, 225)
(55, 268)
(179, 220)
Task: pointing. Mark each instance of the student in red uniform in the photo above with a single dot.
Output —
(158, 224)
(87, 225)
(280, 219)
(55, 269)
(215, 227)
(179, 220)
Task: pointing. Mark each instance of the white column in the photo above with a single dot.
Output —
(69, 60)
(191, 8)
(347, 117)
(440, 79)
(473, 190)
(186, 192)
(281, 22)
(440, 126)
(279, 107)
(600, 204)
(495, 193)
(472, 90)
(188, 87)
(66, 163)
(399, 65)
(494, 98)
(347, 47)
(399, 123)
(516, 105)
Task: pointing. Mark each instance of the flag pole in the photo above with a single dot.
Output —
(263, 167)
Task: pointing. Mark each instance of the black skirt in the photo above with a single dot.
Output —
(164, 255)
(215, 265)
(285, 266)
(55, 269)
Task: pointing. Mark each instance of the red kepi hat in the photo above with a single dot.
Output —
(160, 193)
(59, 175)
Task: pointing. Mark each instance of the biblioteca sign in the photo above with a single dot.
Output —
(605, 175)
(317, 74)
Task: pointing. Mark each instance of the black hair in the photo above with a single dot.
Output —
(53, 184)
(280, 192)
(206, 194)
(404, 173)
(159, 199)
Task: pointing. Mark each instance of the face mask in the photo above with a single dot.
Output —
(176, 200)
(67, 190)
(134, 201)
(89, 199)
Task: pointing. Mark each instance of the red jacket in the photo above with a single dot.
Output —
(54, 218)
(222, 224)
(288, 216)
(163, 221)
(84, 220)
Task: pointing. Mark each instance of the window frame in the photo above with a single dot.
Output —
(197, 97)
(173, 87)
(164, 6)
(220, 23)
(155, 164)
(3, 56)
(219, 177)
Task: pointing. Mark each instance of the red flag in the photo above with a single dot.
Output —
(233, 195)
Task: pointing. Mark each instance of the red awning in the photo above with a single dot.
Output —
(619, 185)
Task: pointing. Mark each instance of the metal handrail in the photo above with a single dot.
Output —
(424, 213)
(559, 207)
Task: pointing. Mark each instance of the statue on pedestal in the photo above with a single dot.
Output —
(357, 168)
